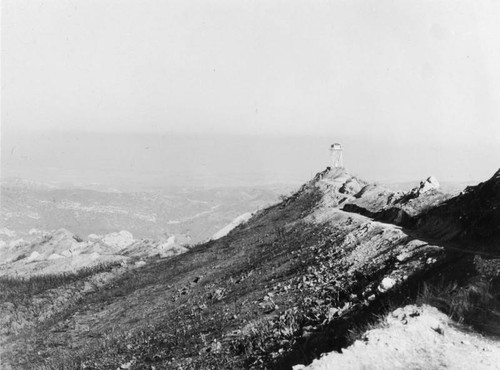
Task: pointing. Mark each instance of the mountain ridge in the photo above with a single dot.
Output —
(279, 289)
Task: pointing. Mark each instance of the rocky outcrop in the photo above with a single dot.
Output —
(395, 207)
(429, 184)
(61, 251)
(351, 186)
(118, 240)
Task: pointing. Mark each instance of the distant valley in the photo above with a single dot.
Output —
(194, 213)
(48, 229)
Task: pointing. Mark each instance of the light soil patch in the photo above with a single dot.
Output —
(414, 338)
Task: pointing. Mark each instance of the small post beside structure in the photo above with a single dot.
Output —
(336, 155)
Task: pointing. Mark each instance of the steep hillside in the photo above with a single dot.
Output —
(278, 290)
(472, 216)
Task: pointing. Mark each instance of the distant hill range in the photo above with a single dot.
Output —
(194, 213)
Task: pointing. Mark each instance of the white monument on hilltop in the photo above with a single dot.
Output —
(336, 154)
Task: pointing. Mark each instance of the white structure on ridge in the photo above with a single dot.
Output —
(336, 154)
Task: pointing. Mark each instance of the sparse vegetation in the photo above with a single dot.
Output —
(477, 303)
(15, 290)
(489, 268)
(358, 331)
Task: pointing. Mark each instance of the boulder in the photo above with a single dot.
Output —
(94, 237)
(67, 253)
(119, 240)
(386, 284)
(351, 186)
(34, 256)
(94, 256)
(425, 186)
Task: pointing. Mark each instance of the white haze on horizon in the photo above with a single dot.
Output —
(137, 162)
(248, 92)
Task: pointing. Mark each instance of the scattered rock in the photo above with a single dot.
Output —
(399, 313)
(403, 256)
(67, 253)
(126, 365)
(94, 256)
(217, 295)
(118, 240)
(216, 346)
(139, 263)
(94, 237)
(386, 284)
(34, 256)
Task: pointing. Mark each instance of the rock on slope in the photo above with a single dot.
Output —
(278, 290)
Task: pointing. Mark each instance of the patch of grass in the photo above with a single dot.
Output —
(376, 319)
(487, 267)
(16, 290)
(476, 303)
(28, 302)
(185, 342)
(358, 331)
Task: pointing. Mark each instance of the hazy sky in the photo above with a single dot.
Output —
(417, 73)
